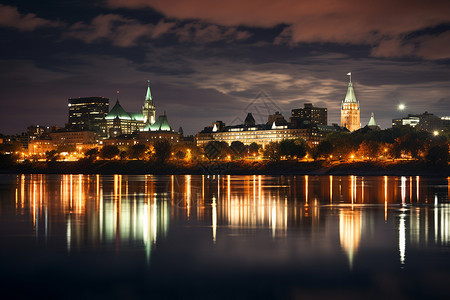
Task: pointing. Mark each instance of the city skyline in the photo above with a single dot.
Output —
(205, 60)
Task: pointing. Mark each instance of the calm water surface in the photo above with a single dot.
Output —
(308, 237)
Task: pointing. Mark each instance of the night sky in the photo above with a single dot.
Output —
(217, 60)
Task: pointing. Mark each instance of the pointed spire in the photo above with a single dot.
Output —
(372, 121)
(350, 96)
(148, 97)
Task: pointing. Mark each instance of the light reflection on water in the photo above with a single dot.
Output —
(325, 216)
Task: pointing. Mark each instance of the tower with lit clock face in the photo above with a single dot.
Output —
(148, 109)
(350, 113)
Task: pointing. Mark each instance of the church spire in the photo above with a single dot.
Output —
(350, 96)
(372, 121)
(148, 97)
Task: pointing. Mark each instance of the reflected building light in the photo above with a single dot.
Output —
(22, 191)
(154, 222)
(188, 194)
(417, 189)
(34, 206)
(350, 233)
(436, 223)
(214, 219)
(403, 189)
(402, 238)
(16, 199)
(385, 198)
(145, 231)
(362, 189)
(352, 187)
(228, 188)
(70, 192)
(445, 224)
(203, 188)
(69, 233)
(306, 189)
(274, 220)
(410, 189)
(331, 189)
(254, 189)
(172, 188)
(101, 213)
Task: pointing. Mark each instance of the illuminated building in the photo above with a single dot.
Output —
(38, 146)
(350, 113)
(88, 113)
(410, 120)
(148, 110)
(160, 129)
(309, 114)
(85, 139)
(262, 134)
(425, 122)
(119, 121)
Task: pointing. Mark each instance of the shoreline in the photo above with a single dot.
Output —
(370, 168)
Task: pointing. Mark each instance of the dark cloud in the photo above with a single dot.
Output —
(123, 32)
(340, 21)
(11, 17)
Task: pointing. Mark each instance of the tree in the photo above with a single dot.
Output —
(123, 155)
(137, 151)
(216, 150)
(370, 149)
(238, 148)
(293, 148)
(180, 154)
(162, 150)
(109, 151)
(253, 148)
(272, 151)
(438, 155)
(52, 155)
(342, 143)
(324, 149)
(91, 153)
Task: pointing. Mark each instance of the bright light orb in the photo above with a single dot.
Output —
(401, 107)
(436, 133)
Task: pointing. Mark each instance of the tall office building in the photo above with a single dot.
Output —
(310, 114)
(88, 113)
(350, 113)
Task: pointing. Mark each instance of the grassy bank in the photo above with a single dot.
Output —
(233, 168)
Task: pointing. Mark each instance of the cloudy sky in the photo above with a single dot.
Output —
(213, 60)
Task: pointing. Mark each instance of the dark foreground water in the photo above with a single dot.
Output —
(234, 237)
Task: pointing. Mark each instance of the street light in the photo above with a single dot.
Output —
(401, 106)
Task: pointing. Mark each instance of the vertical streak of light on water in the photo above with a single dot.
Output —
(417, 189)
(306, 189)
(410, 189)
(402, 238)
(331, 189)
(145, 231)
(436, 219)
(385, 198)
(214, 219)
(69, 233)
(403, 188)
(188, 195)
(274, 219)
(362, 189)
